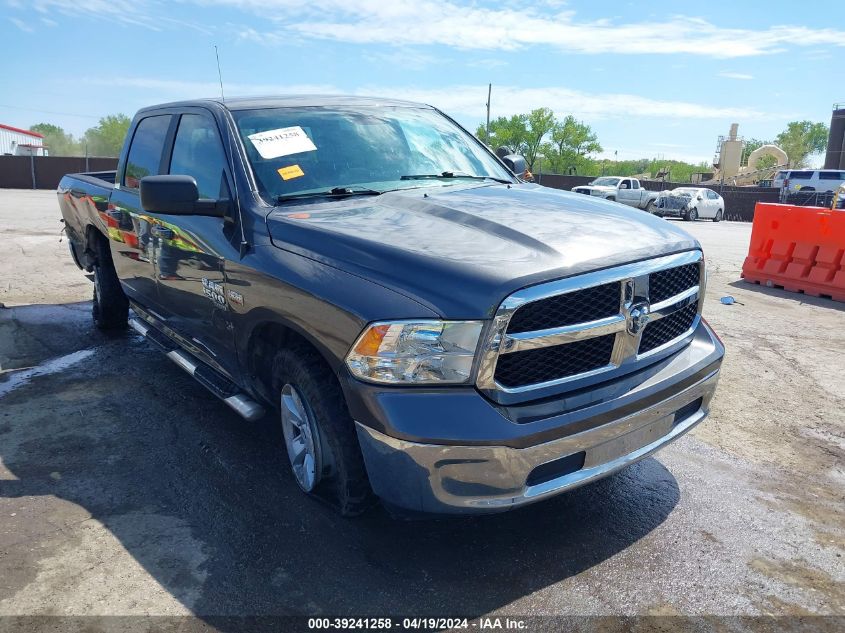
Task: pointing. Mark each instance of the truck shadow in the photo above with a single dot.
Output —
(780, 293)
(204, 503)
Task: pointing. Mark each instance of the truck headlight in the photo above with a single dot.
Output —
(415, 352)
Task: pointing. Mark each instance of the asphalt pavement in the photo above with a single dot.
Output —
(126, 489)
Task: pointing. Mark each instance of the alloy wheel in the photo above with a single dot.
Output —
(302, 439)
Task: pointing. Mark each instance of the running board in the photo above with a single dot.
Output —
(212, 380)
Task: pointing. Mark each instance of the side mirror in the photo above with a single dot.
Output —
(515, 163)
(700, 197)
(177, 195)
(623, 186)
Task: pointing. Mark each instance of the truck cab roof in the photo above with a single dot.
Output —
(289, 101)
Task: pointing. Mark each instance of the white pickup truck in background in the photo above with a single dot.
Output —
(625, 190)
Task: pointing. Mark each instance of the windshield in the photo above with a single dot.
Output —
(606, 182)
(299, 150)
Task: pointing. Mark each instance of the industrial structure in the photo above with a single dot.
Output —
(17, 142)
(728, 167)
(835, 157)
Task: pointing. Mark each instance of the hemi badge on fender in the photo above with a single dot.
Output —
(236, 297)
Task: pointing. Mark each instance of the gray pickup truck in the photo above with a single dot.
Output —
(625, 190)
(424, 327)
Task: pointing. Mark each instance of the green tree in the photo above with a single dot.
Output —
(511, 133)
(58, 142)
(751, 145)
(571, 142)
(540, 122)
(801, 139)
(766, 162)
(106, 138)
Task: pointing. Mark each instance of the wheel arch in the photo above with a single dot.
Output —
(266, 335)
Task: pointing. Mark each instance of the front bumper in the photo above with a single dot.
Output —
(673, 211)
(590, 443)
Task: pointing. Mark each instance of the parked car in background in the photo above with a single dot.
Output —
(791, 180)
(690, 203)
(625, 190)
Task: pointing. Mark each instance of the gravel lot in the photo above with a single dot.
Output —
(125, 488)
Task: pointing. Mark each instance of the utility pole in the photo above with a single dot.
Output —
(487, 128)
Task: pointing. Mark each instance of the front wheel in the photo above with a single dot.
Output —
(649, 207)
(692, 215)
(611, 198)
(322, 445)
(718, 216)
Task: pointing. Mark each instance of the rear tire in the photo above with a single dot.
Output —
(110, 308)
(334, 471)
(692, 215)
(718, 216)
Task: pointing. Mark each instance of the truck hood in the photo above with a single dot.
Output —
(460, 250)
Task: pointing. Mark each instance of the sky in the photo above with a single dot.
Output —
(653, 79)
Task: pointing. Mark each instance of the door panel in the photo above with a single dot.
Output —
(191, 250)
(128, 226)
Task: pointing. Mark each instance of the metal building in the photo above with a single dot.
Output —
(17, 142)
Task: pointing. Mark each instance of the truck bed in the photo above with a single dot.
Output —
(83, 201)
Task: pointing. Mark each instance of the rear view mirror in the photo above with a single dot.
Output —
(515, 163)
(176, 195)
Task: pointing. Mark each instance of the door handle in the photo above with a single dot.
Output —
(162, 232)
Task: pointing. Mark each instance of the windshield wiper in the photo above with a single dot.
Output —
(335, 192)
(453, 174)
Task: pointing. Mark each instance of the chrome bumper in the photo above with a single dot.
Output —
(477, 479)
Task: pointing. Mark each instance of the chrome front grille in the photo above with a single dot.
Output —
(660, 332)
(664, 284)
(583, 329)
(549, 363)
(567, 309)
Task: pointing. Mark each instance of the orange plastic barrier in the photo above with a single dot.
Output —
(801, 249)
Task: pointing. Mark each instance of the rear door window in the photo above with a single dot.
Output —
(831, 175)
(145, 152)
(635, 184)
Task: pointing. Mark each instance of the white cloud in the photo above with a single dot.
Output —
(425, 22)
(466, 100)
(23, 26)
(408, 23)
(732, 75)
(149, 14)
(507, 100)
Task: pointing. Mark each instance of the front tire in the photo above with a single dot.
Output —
(718, 216)
(692, 215)
(110, 308)
(322, 445)
(649, 207)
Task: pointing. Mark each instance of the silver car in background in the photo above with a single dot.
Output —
(690, 203)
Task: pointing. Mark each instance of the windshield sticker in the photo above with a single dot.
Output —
(292, 171)
(282, 142)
